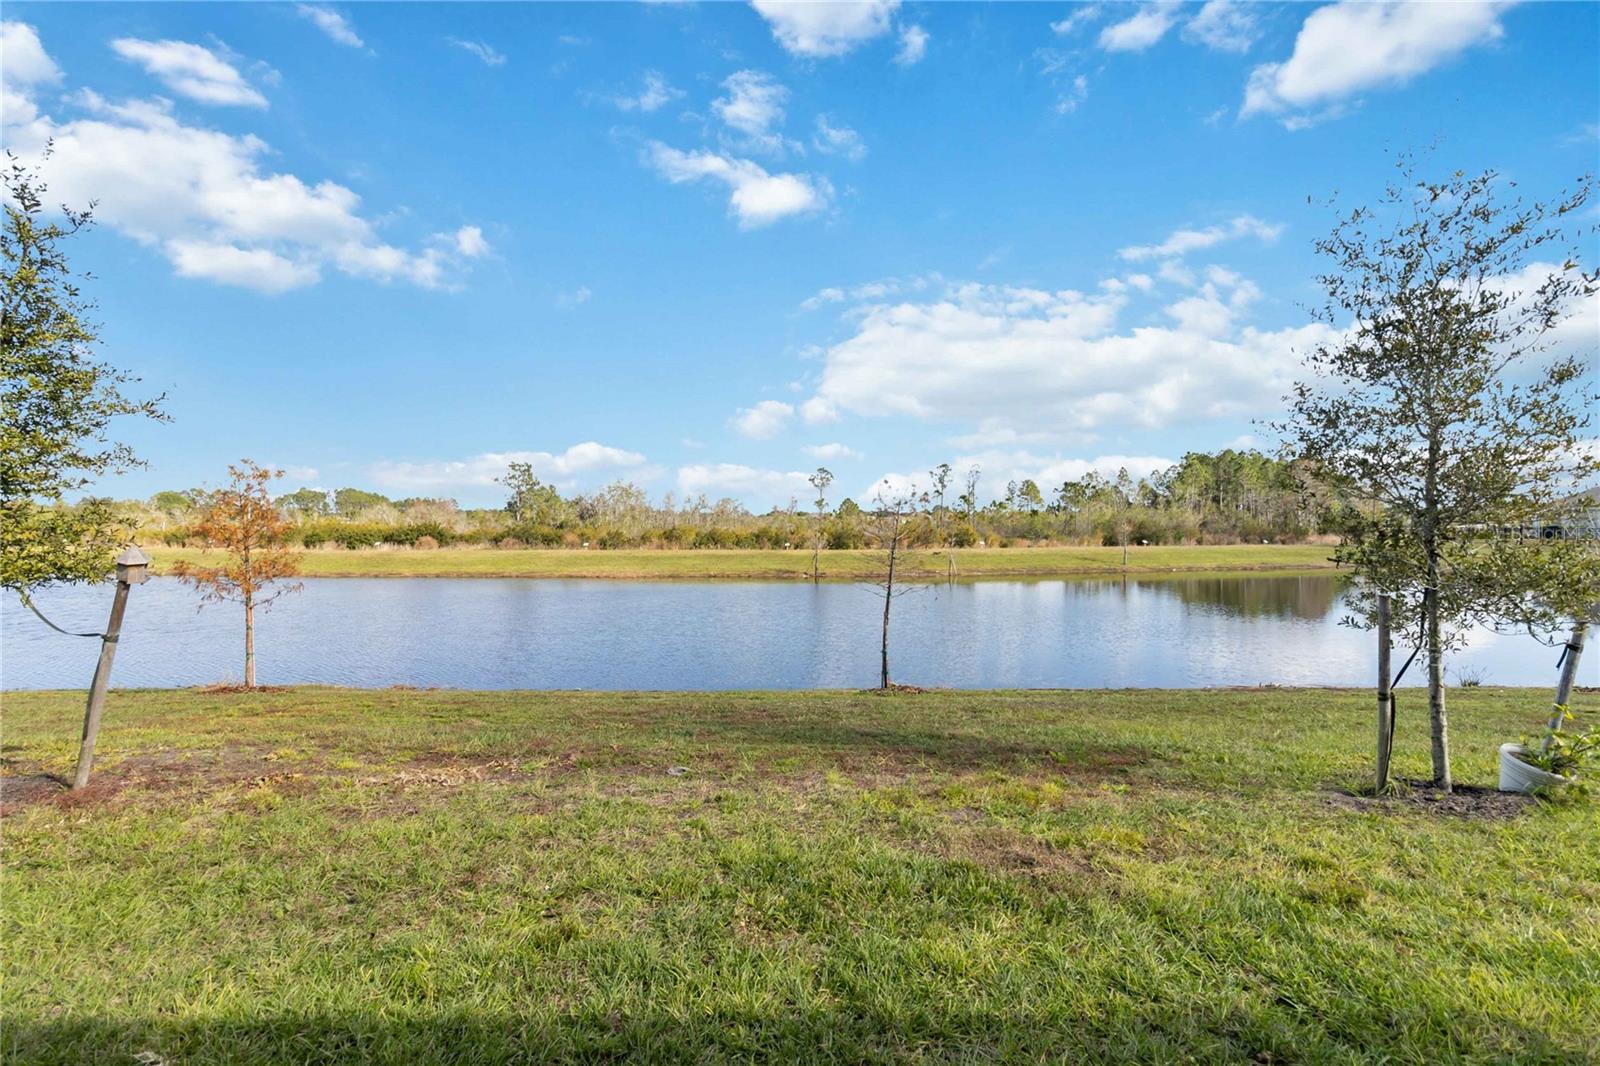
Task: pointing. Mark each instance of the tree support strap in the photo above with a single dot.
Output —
(1394, 703)
(28, 603)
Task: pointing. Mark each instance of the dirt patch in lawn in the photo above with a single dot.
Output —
(24, 790)
(241, 690)
(1466, 801)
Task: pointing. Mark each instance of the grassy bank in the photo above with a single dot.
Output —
(836, 565)
(320, 875)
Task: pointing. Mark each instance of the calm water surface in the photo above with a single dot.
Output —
(1179, 632)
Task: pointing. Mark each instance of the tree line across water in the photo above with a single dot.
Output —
(1230, 497)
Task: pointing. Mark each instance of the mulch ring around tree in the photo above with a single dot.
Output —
(24, 790)
(1466, 801)
(239, 690)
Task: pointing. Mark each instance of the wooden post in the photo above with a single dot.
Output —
(888, 598)
(97, 688)
(132, 569)
(1385, 696)
(1569, 676)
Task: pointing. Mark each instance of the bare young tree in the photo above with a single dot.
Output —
(940, 476)
(241, 520)
(969, 498)
(819, 481)
(887, 528)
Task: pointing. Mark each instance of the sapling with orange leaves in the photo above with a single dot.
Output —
(241, 521)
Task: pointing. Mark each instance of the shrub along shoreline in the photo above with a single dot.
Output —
(790, 565)
(461, 877)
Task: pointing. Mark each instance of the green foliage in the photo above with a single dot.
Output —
(842, 535)
(175, 503)
(348, 502)
(1445, 409)
(544, 536)
(532, 501)
(1559, 750)
(58, 404)
(1029, 498)
(1441, 411)
(310, 502)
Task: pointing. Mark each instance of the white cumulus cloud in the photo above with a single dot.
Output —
(766, 488)
(190, 70)
(1224, 26)
(821, 30)
(753, 107)
(653, 95)
(1017, 360)
(23, 60)
(563, 468)
(913, 45)
(470, 242)
(1081, 16)
(1140, 30)
(1183, 241)
(1347, 47)
(755, 197)
(838, 140)
(206, 201)
(331, 22)
(831, 452)
(248, 268)
(765, 420)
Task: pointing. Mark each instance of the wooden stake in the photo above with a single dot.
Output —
(1569, 676)
(97, 687)
(1385, 696)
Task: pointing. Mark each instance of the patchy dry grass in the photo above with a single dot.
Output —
(316, 875)
(836, 565)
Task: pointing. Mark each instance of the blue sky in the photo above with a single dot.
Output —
(708, 247)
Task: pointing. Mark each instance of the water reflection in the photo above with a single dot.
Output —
(1310, 598)
(1178, 631)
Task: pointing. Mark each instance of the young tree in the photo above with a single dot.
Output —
(58, 404)
(940, 477)
(819, 481)
(241, 521)
(969, 497)
(1443, 402)
(1124, 515)
(888, 526)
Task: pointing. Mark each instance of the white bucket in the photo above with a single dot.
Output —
(1518, 776)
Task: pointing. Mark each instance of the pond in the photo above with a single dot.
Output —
(480, 633)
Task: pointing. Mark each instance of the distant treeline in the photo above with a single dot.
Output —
(1230, 497)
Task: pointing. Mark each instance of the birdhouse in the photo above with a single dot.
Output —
(133, 566)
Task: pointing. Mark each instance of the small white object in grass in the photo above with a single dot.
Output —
(677, 771)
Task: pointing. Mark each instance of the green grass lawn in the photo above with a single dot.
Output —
(836, 565)
(331, 876)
